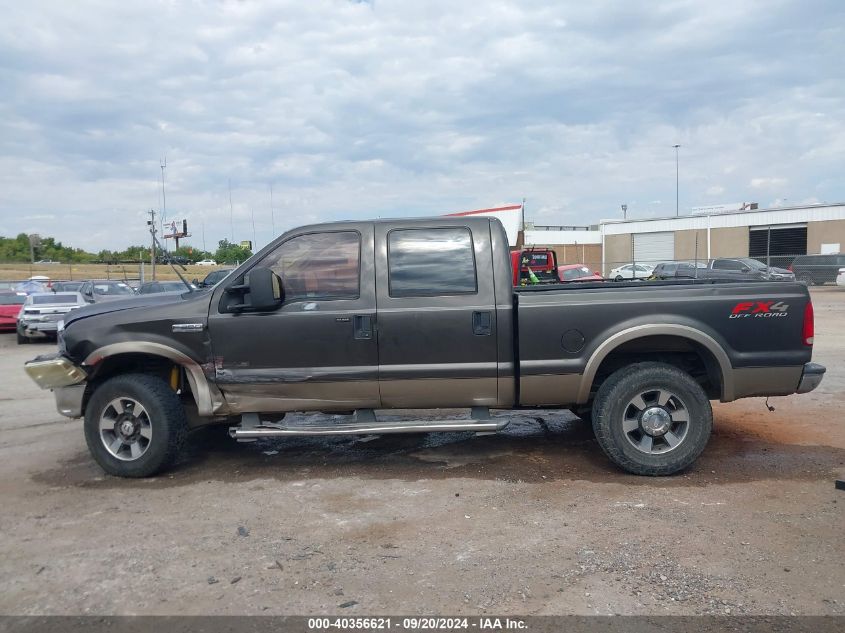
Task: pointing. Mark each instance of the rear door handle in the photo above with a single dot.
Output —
(482, 323)
(363, 326)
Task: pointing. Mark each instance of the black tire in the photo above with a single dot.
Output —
(806, 278)
(166, 417)
(612, 405)
(619, 278)
(22, 340)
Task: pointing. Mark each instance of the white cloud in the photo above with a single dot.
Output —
(395, 108)
(767, 183)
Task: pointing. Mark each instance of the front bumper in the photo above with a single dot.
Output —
(54, 372)
(811, 377)
(34, 329)
(69, 400)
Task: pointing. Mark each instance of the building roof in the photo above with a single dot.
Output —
(752, 217)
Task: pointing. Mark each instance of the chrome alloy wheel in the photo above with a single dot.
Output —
(655, 421)
(125, 429)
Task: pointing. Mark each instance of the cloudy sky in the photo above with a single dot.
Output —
(397, 108)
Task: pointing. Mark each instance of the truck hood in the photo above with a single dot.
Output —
(138, 302)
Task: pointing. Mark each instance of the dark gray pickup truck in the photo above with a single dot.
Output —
(352, 317)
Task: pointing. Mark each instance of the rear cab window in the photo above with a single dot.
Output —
(431, 262)
(56, 298)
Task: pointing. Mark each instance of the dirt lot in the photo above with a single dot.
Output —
(533, 521)
(100, 271)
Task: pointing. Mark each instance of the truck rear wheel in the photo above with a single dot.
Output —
(652, 419)
(135, 425)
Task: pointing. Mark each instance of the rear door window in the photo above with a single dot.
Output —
(430, 262)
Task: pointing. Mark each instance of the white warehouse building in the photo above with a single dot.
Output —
(778, 234)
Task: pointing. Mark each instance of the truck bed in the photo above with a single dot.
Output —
(744, 338)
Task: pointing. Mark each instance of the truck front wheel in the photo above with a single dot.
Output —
(652, 419)
(135, 425)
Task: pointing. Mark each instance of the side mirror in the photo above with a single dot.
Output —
(196, 282)
(746, 269)
(262, 291)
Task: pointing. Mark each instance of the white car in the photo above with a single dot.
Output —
(840, 278)
(631, 271)
(206, 262)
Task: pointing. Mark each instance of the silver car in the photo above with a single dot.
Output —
(42, 312)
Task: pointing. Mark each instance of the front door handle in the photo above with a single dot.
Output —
(363, 326)
(482, 323)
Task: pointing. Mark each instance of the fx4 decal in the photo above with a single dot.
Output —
(760, 310)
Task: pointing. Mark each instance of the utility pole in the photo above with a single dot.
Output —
(163, 165)
(254, 239)
(677, 181)
(624, 211)
(203, 235)
(152, 224)
(272, 217)
(231, 213)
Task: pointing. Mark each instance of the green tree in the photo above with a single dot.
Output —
(229, 253)
(192, 254)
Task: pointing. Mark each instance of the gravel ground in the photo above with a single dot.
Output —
(531, 521)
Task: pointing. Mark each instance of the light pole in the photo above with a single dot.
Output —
(677, 147)
(624, 211)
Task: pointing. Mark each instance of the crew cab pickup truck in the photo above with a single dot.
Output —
(353, 317)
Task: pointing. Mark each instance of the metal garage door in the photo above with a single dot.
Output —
(779, 243)
(653, 248)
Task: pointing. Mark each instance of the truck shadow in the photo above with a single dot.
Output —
(535, 449)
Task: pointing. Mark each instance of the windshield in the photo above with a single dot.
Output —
(575, 273)
(216, 276)
(112, 289)
(752, 263)
(65, 286)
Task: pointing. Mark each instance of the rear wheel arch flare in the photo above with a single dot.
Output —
(698, 340)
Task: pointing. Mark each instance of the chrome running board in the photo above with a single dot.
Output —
(365, 423)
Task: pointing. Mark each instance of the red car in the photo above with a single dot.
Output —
(10, 306)
(577, 272)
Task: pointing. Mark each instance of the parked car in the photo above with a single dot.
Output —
(99, 290)
(41, 313)
(577, 272)
(167, 258)
(294, 329)
(10, 307)
(817, 269)
(213, 278)
(158, 287)
(67, 286)
(840, 278)
(47, 261)
(631, 271)
(36, 283)
(692, 270)
(748, 264)
(206, 262)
